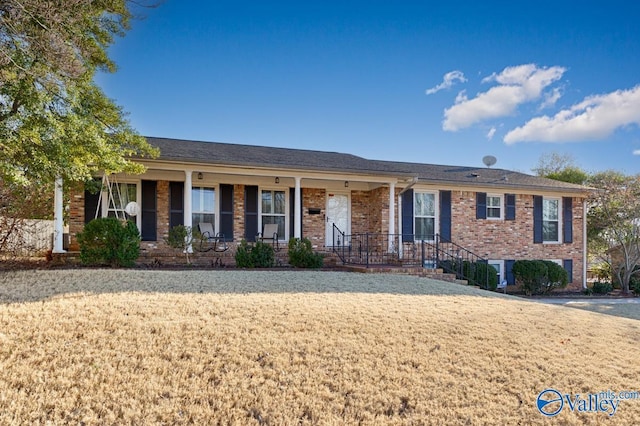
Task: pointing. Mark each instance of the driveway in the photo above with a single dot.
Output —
(587, 300)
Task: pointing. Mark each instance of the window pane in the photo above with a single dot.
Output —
(203, 217)
(493, 202)
(550, 209)
(493, 212)
(425, 228)
(275, 219)
(549, 231)
(196, 204)
(208, 200)
(266, 202)
(121, 195)
(279, 202)
(425, 204)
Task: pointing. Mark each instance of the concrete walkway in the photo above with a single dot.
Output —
(587, 300)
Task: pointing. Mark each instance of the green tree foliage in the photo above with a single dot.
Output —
(614, 223)
(109, 241)
(560, 167)
(54, 120)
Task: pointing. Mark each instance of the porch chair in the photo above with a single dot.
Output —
(211, 241)
(270, 234)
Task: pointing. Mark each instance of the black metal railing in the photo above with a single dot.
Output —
(370, 249)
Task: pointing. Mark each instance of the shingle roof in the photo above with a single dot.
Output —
(185, 151)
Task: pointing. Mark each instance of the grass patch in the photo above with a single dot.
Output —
(255, 347)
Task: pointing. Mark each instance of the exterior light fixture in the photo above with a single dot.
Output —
(346, 183)
(277, 180)
(200, 176)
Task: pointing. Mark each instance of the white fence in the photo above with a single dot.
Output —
(26, 237)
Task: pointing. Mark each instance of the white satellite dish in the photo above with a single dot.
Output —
(489, 160)
(132, 208)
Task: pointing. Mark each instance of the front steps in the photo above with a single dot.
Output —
(435, 274)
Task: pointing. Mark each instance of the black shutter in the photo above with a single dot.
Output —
(148, 209)
(176, 204)
(510, 206)
(91, 205)
(537, 219)
(481, 205)
(407, 215)
(292, 211)
(226, 211)
(567, 264)
(567, 219)
(508, 267)
(445, 216)
(250, 212)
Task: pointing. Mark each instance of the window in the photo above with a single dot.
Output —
(203, 202)
(121, 195)
(273, 210)
(550, 220)
(494, 207)
(498, 266)
(425, 215)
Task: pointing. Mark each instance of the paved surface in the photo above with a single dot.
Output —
(587, 301)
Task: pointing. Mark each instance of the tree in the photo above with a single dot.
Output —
(614, 222)
(560, 167)
(54, 120)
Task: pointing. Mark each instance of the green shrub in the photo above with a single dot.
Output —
(261, 255)
(480, 274)
(601, 287)
(109, 241)
(301, 255)
(181, 237)
(539, 276)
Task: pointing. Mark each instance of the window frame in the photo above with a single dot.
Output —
(261, 214)
(501, 272)
(435, 216)
(558, 220)
(500, 206)
(215, 211)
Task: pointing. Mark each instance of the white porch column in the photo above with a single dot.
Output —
(58, 220)
(188, 186)
(585, 211)
(297, 210)
(392, 214)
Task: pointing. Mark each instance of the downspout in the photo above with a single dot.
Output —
(585, 256)
(58, 232)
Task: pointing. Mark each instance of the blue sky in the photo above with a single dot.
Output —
(431, 82)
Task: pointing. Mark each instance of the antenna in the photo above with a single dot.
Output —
(489, 160)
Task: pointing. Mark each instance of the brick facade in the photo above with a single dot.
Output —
(313, 225)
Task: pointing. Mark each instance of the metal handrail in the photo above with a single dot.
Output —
(384, 249)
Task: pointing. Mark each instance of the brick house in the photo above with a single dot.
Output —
(498, 214)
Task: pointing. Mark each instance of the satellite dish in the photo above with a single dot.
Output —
(489, 160)
(132, 209)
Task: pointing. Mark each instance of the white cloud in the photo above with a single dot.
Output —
(636, 152)
(448, 80)
(490, 133)
(551, 98)
(596, 117)
(517, 85)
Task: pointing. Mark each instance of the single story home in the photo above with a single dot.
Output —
(330, 198)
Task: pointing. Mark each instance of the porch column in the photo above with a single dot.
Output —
(392, 214)
(188, 186)
(297, 210)
(58, 221)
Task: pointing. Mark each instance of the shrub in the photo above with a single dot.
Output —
(261, 255)
(301, 255)
(108, 241)
(601, 287)
(181, 237)
(480, 274)
(539, 276)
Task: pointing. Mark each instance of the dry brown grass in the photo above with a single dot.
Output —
(281, 348)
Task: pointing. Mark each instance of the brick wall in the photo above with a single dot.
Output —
(506, 239)
(313, 225)
(238, 213)
(76, 215)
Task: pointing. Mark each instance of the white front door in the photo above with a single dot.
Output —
(338, 213)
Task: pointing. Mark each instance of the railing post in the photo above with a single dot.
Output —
(367, 248)
(437, 237)
(422, 256)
